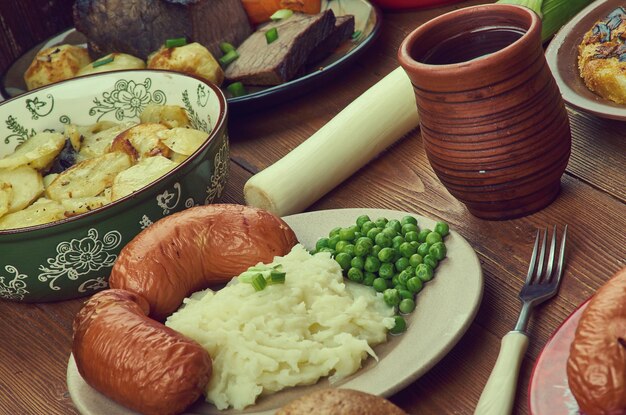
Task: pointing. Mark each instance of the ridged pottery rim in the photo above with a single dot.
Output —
(517, 16)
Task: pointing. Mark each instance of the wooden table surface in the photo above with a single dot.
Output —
(35, 338)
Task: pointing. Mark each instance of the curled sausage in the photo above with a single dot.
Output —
(135, 360)
(196, 248)
(596, 367)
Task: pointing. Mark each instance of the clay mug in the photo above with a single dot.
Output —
(495, 129)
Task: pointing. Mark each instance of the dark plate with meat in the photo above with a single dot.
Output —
(563, 58)
(320, 66)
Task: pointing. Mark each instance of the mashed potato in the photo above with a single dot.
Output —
(288, 334)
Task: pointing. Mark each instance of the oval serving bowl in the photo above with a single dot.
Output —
(72, 257)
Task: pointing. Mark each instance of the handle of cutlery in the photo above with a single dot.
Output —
(499, 392)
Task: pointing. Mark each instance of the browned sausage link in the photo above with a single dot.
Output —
(195, 249)
(596, 368)
(134, 360)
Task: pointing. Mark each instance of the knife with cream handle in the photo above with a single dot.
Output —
(499, 392)
(371, 123)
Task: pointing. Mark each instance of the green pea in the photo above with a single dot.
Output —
(368, 278)
(357, 262)
(438, 250)
(407, 250)
(327, 249)
(404, 293)
(423, 249)
(406, 306)
(404, 276)
(340, 245)
(430, 261)
(414, 284)
(408, 227)
(433, 238)
(355, 274)
(367, 226)
(379, 284)
(363, 246)
(415, 244)
(357, 235)
(395, 280)
(381, 222)
(348, 234)
(383, 240)
(424, 272)
(442, 228)
(391, 297)
(348, 249)
(375, 250)
(399, 326)
(408, 219)
(415, 260)
(321, 243)
(343, 260)
(372, 263)
(361, 220)
(334, 231)
(395, 225)
(386, 270)
(332, 241)
(373, 232)
(421, 236)
(402, 263)
(386, 254)
(397, 241)
(411, 236)
(390, 232)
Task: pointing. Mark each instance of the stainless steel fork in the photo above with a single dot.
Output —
(542, 283)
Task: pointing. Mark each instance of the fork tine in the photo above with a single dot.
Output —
(551, 257)
(542, 256)
(531, 266)
(559, 269)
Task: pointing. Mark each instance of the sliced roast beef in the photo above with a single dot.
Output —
(344, 28)
(140, 27)
(260, 63)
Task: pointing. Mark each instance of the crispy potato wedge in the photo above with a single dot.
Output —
(42, 211)
(141, 141)
(99, 143)
(26, 183)
(6, 194)
(80, 205)
(38, 151)
(172, 116)
(183, 140)
(89, 177)
(72, 133)
(49, 178)
(140, 175)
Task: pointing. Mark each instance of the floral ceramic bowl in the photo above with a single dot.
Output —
(72, 258)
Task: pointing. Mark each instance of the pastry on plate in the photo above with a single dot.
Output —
(602, 57)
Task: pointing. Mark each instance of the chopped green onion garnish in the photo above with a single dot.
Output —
(271, 35)
(282, 14)
(356, 35)
(228, 58)
(236, 89)
(102, 62)
(259, 282)
(174, 43)
(276, 277)
(248, 276)
(226, 47)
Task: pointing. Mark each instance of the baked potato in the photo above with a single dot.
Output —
(55, 64)
(193, 59)
(118, 61)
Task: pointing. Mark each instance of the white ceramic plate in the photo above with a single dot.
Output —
(445, 309)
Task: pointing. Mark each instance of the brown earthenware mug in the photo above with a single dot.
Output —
(495, 129)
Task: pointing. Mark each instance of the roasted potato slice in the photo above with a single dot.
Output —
(71, 133)
(49, 178)
(27, 186)
(99, 143)
(6, 194)
(80, 205)
(141, 141)
(183, 140)
(38, 151)
(140, 175)
(42, 211)
(171, 116)
(118, 61)
(88, 178)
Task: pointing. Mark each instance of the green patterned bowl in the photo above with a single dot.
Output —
(72, 258)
